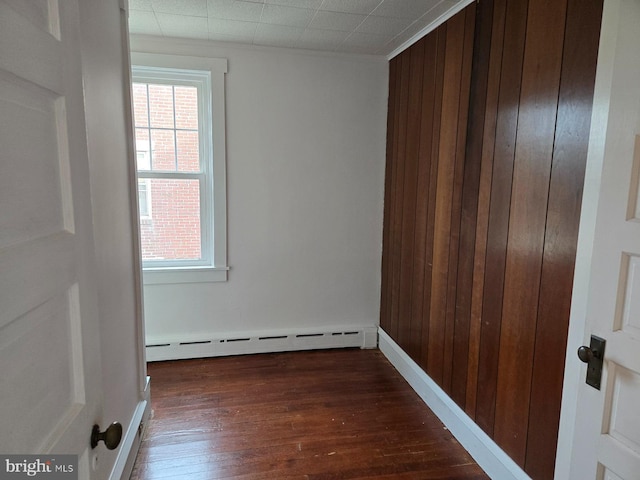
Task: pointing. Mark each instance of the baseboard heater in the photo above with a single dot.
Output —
(247, 343)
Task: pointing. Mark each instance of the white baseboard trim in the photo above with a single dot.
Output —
(491, 458)
(133, 437)
(242, 343)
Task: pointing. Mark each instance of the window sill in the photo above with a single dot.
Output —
(168, 276)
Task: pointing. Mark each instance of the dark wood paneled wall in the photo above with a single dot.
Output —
(488, 128)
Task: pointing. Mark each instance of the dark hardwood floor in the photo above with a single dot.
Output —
(330, 414)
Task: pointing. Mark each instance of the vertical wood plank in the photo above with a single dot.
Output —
(414, 111)
(438, 82)
(506, 124)
(481, 46)
(389, 194)
(458, 183)
(429, 46)
(400, 133)
(391, 330)
(445, 187)
(484, 198)
(532, 167)
(561, 236)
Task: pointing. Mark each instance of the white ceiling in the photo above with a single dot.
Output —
(376, 27)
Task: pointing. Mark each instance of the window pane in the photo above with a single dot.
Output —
(143, 198)
(173, 232)
(140, 112)
(143, 158)
(161, 106)
(163, 152)
(188, 151)
(186, 101)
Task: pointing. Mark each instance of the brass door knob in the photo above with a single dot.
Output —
(111, 436)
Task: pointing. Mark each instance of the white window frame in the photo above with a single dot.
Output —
(213, 267)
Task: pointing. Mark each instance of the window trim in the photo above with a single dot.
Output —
(216, 268)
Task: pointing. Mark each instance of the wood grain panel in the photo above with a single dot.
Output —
(484, 198)
(445, 188)
(438, 81)
(400, 135)
(429, 46)
(561, 236)
(530, 192)
(414, 114)
(389, 194)
(458, 183)
(468, 217)
(498, 228)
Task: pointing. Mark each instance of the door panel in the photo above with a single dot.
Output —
(621, 421)
(628, 313)
(49, 337)
(31, 199)
(606, 437)
(54, 392)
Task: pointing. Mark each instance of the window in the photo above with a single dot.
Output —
(144, 198)
(144, 185)
(179, 135)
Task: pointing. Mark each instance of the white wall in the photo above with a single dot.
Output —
(306, 136)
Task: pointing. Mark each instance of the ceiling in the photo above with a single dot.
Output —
(376, 27)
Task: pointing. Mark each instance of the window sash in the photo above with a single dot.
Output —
(206, 241)
(175, 129)
(200, 80)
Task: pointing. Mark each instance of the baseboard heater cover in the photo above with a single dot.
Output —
(248, 343)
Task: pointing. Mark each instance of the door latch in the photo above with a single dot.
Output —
(593, 356)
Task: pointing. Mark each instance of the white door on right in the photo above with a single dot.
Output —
(606, 438)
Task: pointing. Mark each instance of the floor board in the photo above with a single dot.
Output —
(319, 415)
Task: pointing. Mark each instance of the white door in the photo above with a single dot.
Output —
(602, 427)
(49, 337)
